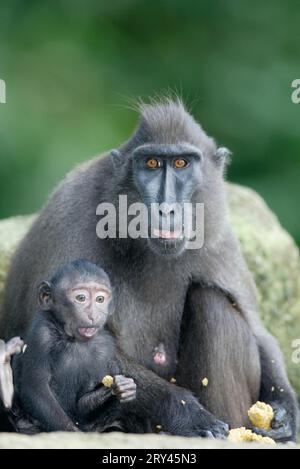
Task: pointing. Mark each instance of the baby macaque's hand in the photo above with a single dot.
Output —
(124, 388)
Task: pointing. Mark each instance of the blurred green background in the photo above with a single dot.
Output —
(72, 66)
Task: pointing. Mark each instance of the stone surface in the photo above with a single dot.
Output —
(118, 440)
(272, 257)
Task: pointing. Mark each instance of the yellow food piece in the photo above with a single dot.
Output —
(241, 434)
(261, 415)
(107, 381)
(204, 381)
(173, 380)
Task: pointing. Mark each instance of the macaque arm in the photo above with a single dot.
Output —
(40, 402)
(124, 389)
(170, 407)
(33, 382)
(276, 389)
(91, 401)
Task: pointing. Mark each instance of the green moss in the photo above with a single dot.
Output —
(273, 259)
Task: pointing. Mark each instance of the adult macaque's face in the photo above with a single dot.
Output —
(166, 177)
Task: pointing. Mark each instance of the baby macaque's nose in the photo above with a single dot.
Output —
(93, 316)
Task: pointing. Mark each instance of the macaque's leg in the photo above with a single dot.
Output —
(219, 358)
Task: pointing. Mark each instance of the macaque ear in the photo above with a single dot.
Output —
(117, 159)
(44, 295)
(222, 156)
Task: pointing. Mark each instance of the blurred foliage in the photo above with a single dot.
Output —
(71, 67)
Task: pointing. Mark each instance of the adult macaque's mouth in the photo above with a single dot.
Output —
(87, 331)
(166, 234)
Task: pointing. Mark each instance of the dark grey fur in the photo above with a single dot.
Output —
(155, 293)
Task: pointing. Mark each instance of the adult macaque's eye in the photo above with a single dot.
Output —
(153, 163)
(179, 163)
(80, 298)
(100, 299)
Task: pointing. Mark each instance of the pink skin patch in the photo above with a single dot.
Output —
(159, 358)
(87, 331)
(165, 234)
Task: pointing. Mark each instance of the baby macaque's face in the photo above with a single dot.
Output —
(79, 296)
(89, 303)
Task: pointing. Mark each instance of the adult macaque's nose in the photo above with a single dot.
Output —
(166, 211)
(169, 216)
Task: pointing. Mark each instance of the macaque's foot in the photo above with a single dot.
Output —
(206, 424)
(187, 417)
(124, 388)
(13, 346)
(218, 430)
(281, 425)
(7, 350)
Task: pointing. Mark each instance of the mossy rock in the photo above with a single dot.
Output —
(271, 254)
(273, 259)
(12, 231)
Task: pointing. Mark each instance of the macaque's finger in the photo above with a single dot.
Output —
(127, 396)
(128, 399)
(206, 434)
(126, 387)
(127, 384)
(283, 433)
(280, 418)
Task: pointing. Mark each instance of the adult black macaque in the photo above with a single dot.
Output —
(197, 305)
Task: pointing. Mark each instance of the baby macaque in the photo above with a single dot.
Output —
(58, 379)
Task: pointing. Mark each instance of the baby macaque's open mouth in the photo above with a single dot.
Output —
(87, 331)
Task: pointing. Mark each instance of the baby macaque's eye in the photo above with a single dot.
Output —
(100, 299)
(80, 298)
